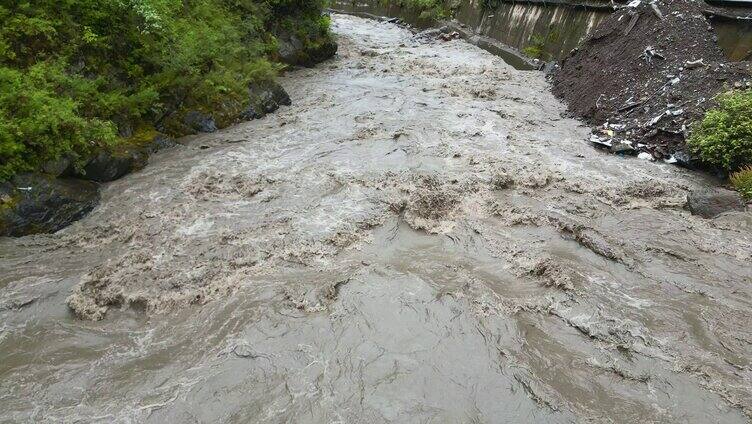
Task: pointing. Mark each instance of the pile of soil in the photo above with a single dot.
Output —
(645, 74)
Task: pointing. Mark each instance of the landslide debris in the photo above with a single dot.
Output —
(645, 74)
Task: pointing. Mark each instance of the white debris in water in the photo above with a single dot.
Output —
(598, 140)
(645, 156)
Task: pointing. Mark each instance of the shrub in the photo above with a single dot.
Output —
(742, 182)
(78, 75)
(535, 48)
(723, 137)
(429, 9)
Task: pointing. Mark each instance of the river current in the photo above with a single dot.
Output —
(423, 236)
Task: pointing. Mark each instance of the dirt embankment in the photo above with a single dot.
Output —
(645, 74)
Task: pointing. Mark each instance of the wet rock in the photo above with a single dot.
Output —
(622, 148)
(450, 36)
(199, 122)
(711, 203)
(265, 97)
(109, 166)
(433, 33)
(160, 142)
(549, 67)
(685, 159)
(56, 167)
(35, 203)
(293, 51)
(288, 48)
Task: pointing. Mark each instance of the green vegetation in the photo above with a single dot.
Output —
(433, 10)
(723, 137)
(538, 42)
(535, 48)
(79, 75)
(742, 182)
(429, 9)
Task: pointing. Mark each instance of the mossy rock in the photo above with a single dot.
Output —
(264, 97)
(127, 156)
(294, 51)
(109, 165)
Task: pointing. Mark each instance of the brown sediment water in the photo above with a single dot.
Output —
(420, 237)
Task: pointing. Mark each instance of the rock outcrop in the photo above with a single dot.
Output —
(293, 51)
(36, 203)
(264, 97)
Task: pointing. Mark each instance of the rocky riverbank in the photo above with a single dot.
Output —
(64, 192)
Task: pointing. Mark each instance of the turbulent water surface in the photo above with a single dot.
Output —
(421, 237)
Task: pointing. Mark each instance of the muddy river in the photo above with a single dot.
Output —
(422, 237)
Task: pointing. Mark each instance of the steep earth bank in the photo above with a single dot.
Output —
(645, 74)
(420, 237)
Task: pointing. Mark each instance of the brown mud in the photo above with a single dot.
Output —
(420, 237)
(647, 73)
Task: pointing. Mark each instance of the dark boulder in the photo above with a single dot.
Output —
(160, 142)
(711, 203)
(199, 122)
(264, 97)
(36, 203)
(57, 167)
(623, 148)
(289, 48)
(293, 51)
(110, 165)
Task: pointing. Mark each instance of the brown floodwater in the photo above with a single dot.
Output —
(421, 237)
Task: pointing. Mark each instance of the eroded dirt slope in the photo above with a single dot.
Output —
(421, 237)
(646, 74)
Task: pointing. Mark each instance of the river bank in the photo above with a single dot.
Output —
(643, 74)
(422, 235)
(91, 89)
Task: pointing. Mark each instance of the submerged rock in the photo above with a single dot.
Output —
(35, 203)
(711, 203)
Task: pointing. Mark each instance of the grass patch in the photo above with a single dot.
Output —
(742, 182)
